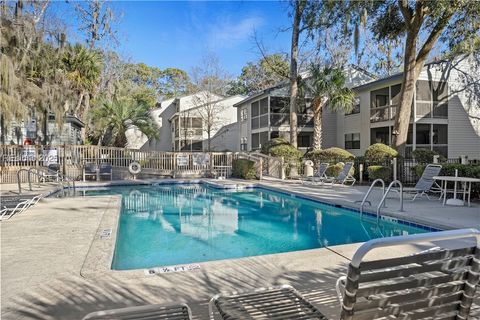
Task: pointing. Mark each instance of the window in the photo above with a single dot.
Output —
(243, 144)
(423, 134)
(303, 140)
(379, 98)
(243, 114)
(395, 91)
(255, 141)
(279, 105)
(380, 135)
(255, 109)
(258, 139)
(259, 114)
(352, 141)
(440, 134)
(356, 107)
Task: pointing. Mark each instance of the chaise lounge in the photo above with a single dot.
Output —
(433, 284)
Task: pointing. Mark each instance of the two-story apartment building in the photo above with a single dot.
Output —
(266, 115)
(182, 124)
(445, 112)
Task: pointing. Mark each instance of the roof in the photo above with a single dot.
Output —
(199, 106)
(304, 75)
(398, 76)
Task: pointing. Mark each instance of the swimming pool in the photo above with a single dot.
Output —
(187, 223)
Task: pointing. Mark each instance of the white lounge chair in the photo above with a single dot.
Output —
(426, 183)
(319, 176)
(344, 176)
(433, 284)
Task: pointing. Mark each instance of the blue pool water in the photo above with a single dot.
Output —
(177, 224)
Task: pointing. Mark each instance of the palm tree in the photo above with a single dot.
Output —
(84, 68)
(327, 89)
(114, 118)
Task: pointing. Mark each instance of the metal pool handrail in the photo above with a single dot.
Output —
(394, 182)
(369, 191)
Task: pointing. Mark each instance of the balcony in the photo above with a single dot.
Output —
(384, 113)
(283, 119)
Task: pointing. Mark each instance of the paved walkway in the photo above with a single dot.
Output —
(43, 252)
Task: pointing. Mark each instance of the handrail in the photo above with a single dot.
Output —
(62, 177)
(369, 191)
(394, 182)
(30, 171)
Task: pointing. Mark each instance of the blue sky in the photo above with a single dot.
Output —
(179, 33)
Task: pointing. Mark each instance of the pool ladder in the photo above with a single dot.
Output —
(384, 198)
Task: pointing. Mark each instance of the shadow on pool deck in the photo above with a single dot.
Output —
(73, 297)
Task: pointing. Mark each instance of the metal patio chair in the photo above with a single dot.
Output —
(154, 311)
(426, 183)
(106, 169)
(344, 176)
(437, 284)
(89, 170)
(319, 176)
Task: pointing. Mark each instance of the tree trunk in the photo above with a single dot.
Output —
(317, 129)
(2, 128)
(404, 110)
(299, 6)
(208, 140)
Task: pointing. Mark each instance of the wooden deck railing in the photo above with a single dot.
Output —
(72, 159)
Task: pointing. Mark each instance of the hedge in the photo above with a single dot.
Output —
(379, 172)
(425, 155)
(244, 169)
(448, 169)
(330, 154)
(379, 153)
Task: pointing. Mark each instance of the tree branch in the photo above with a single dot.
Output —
(405, 10)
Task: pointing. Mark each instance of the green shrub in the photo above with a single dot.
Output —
(272, 143)
(244, 169)
(379, 172)
(448, 169)
(329, 155)
(279, 147)
(335, 169)
(425, 155)
(378, 153)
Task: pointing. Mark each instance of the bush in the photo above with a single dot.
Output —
(272, 143)
(464, 170)
(334, 170)
(244, 169)
(425, 155)
(379, 153)
(379, 172)
(329, 155)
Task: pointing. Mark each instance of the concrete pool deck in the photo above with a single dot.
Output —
(44, 252)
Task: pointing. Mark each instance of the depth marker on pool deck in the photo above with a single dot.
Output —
(105, 234)
(170, 269)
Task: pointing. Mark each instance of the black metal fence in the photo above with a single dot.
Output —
(405, 168)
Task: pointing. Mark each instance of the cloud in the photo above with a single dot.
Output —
(227, 32)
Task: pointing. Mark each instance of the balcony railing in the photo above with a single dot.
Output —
(425, 109)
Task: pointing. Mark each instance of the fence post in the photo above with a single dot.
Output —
(360, 172)
(260, 175)
(64, 159)
(394, 162)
